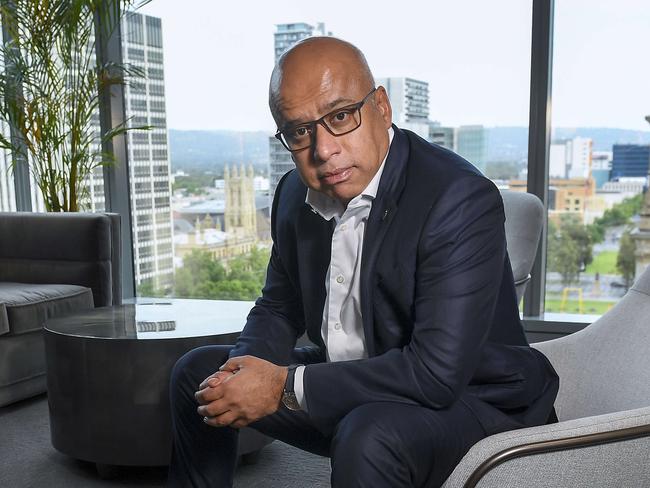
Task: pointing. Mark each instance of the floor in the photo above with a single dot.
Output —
(27, 460)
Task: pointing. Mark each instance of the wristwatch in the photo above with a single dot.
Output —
(289, 399)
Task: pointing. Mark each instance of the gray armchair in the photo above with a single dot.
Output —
(524, 220)
(603, 437)
(50, 265)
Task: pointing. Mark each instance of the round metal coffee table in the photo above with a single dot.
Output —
(108, 376)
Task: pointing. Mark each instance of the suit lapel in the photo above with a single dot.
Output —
(383, 210)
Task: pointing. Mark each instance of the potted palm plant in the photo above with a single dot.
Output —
(50, 89)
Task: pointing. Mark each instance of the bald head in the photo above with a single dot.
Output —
(317, 57)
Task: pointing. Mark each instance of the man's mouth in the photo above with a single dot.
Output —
(336, 176)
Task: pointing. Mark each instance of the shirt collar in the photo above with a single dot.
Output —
(328, 207)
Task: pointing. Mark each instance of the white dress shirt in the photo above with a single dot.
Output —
(342, 326)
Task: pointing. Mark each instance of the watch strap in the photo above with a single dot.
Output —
(289, 399)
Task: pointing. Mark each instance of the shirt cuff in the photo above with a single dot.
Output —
(298, 387)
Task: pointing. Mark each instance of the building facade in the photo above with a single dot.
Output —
(630, 160)
(601, 167)
(471, 144)
(223, 228)
(409, 100)
(149, 172)
(443, 136)
(570, 158)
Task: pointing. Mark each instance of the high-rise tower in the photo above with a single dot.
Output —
(148, 152)
(409, 100)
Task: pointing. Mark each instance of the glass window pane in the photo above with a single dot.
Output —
(599, 155)
(458, 80)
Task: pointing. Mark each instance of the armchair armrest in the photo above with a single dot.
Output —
(603, 450)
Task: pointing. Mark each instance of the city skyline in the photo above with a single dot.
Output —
(471, 82)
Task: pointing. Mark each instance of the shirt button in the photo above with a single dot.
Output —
(340, 279)
(344, 226)
(337, 326)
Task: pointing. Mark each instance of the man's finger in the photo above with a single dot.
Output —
(214, 379)
(233, 364)
(213, 409)
(209, 394)
(223, 420)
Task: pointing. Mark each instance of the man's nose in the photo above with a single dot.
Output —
(325, 144)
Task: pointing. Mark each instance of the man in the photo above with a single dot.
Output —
(390, 253)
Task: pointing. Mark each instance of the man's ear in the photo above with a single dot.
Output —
(383, 105)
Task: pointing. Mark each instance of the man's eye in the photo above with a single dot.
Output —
(300, 132)
(341, 116)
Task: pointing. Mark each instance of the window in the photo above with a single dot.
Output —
(159, 138)
(140, 154)
(136, 54)
(153, 55)
(221, 133)
(139, 137)
(159, 154)
(156, 89)
(155, 73)
(599, 155)
(138, 104)
(134, 29)
(157, 106)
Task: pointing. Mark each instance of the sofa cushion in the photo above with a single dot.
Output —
(24, 307)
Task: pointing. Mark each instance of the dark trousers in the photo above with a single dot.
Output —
(375, 445)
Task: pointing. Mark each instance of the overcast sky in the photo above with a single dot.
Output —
(475, 55)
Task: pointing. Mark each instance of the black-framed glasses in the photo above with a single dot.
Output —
(338, 122)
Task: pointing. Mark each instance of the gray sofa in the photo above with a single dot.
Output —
(50, 265)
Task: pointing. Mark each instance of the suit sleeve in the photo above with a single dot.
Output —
(461, 253)
(277, 320)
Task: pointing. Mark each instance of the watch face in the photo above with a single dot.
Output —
(290, 401)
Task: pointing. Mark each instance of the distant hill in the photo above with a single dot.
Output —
(211, 150)
(511, 143)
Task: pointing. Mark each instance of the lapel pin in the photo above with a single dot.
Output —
(385, 214)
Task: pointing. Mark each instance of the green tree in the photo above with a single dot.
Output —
(626, 261)
(575, 231)
(563, 254)
(203, 277)
(619, 214)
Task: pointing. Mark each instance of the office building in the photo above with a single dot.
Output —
(570, 158)
(285, 36)
(630, 160)
(149, 173)
(601, 167)
(472, 145)
(579, 163)
(443, 136)
(409, 100)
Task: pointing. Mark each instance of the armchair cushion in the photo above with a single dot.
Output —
(24, 307)
(621, 463)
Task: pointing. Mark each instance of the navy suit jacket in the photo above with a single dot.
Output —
(439, 308)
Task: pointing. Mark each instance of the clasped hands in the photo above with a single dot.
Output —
(244, 390)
